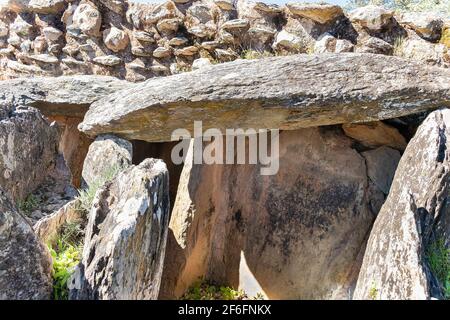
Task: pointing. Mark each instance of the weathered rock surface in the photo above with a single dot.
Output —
(126, 236)
(415, 213)
(117, 6)
(201, 63)
(47, 6)
(52, 34)
(328, 43)
(371, 17)
(109, 60)
(115, 39)
(107, 153)
(61, 96)
(25, 263)
(87, 18)
(321, 13)
(270, 93)
(426, 24)
(51, 195)
(381, 165)
(18, 5)
(28, 150)
(48, 228)
(415, 48)
(375, 134)
(299, 232)
(285, 40)
(73, 145)
(374, 45)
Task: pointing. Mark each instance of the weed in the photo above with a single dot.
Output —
(86, 196)
(310, 48)
(29, 204)
(72, 233)
(65, 258)
(438, 256)
(255, 54)
(202, 290)
(399, 44)
(66, 255)
(184, 68)
(447, 289)
(228, 293)
(67, 252)
(259, 296)
(373, 292)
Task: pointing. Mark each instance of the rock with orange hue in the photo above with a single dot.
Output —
(375, 134)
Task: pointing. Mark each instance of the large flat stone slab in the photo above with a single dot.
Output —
(62, 96)
(280, 92)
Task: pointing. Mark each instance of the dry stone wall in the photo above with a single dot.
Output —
(138, 41)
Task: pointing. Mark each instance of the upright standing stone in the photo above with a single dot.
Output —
(25, 263)
(415, 213)
(299, 232)
(28, 150)
(107, 154)
(126, 236)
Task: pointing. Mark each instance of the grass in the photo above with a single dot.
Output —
(438, 256)
(28, 204)
(252, 54)
(445, 38)
(202, 290)
(255, 54)
(306, 47)
(373, 292)
(72, 233)
(184, 68)
(86, 196)
(310, 48)
(66, 255)
(399, 44)
(403, 5)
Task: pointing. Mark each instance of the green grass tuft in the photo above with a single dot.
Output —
(438, 256)
(28, 204)
(373, 292)
(202, 290)
(255, 54)
(86, 196)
